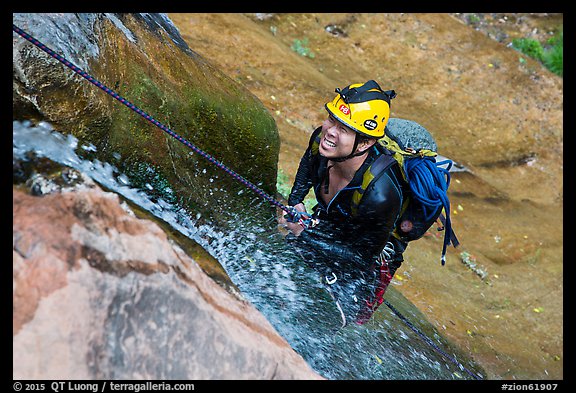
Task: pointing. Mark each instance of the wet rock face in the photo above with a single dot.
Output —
(496, 112)
(145, 60)
(99, 293)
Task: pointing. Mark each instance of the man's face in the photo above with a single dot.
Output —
(336, 139)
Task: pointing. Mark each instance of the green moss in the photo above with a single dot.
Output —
(195, 101)
(152, 179)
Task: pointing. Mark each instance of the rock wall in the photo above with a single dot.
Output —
(101, 294)
(143, 58)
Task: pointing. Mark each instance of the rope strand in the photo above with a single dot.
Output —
(303, 219)
(145, 115)
(429, 183)
(429, 341)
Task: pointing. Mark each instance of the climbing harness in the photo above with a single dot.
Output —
(301, 219)
(293, 215)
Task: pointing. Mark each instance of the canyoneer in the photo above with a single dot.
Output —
(366, 208)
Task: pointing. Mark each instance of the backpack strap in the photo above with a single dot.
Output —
(379, 166)
(315, 141)
(453, 239)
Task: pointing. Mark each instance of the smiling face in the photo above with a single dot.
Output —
(336, 140)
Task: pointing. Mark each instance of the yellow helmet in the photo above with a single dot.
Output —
(363, 107)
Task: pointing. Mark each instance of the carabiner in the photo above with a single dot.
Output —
(331, 281)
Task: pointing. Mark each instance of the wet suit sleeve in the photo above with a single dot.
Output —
(303, 178)
(317, 246)
(378, 211)
(358, 240)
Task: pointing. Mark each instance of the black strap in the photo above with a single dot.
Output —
(327, 178)
(362, 93)
(382, 163)
(452, 235)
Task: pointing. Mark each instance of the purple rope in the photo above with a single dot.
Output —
(430, 342)
(207, 156)
(145, 115)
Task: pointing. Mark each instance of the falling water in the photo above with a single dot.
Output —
(287, 292)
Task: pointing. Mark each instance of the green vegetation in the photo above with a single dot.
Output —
(473, 19)
(301, 47)
(528, 46)
(551, 55)
(284, 187)
(282, 184)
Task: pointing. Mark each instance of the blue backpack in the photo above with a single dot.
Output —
(415, 150)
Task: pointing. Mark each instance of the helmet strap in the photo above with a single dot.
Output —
(341, 159)
(353, 154)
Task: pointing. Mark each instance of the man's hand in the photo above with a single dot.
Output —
(294, 227)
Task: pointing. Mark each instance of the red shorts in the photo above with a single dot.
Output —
(371, 305)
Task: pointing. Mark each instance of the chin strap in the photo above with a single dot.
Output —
(351, 155)
(342, 159)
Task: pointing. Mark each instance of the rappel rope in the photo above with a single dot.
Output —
(430, 342)
(303, 218)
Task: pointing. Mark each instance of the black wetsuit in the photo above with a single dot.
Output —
(343, 243)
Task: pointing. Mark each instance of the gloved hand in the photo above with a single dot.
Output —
(298, 219)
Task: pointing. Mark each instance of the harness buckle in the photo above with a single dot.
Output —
(331, 281)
